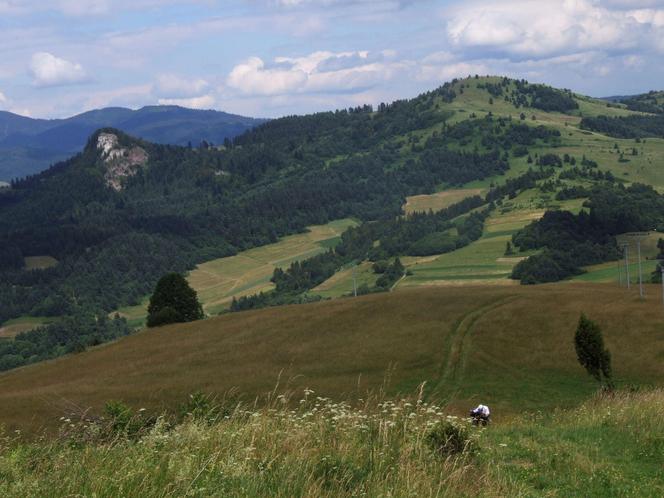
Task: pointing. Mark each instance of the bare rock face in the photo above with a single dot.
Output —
(121, 162)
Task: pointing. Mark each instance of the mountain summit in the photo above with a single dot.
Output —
(28, 146)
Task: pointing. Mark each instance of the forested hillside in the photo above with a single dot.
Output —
(124, 211)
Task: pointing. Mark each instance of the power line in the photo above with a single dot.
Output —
(638, 247)
(662, 268)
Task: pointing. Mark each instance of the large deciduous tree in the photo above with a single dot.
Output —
(173, 301)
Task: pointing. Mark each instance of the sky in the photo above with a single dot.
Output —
(269, 58)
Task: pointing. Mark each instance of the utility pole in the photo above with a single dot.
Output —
(619, 273)
(627, 264)
(638, 247)
(354, 282)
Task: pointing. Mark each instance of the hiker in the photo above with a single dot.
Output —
(481, 415)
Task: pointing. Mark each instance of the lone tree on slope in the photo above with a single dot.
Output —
(173, 301)
(591, 353)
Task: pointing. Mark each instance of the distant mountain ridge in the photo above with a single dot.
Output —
(28, 145)
(651, 102)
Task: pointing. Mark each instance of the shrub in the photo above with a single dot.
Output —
(121, 421)
(381, 266)
(551, 160)
(202, 407)
(452, 437)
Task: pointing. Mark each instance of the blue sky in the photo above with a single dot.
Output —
(274, 57)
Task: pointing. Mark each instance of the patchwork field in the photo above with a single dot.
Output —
(484, 262)
(510, 347)
(249, 272)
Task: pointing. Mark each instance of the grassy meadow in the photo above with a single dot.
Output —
(610, 446)
(510, 347)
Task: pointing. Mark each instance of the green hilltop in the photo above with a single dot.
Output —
(482, 158)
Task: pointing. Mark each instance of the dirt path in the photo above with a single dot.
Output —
(456, 348)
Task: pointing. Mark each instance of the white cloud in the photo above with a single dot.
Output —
(176, 87)
(203, 102)
(49, 70)
(252, 78)
(3, 99)
(317, 72)
(528, 28)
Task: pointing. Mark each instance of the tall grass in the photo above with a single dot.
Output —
(610, 446)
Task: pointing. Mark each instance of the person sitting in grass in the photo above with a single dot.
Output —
(481, 415)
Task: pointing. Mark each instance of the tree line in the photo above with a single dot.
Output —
(570, 241)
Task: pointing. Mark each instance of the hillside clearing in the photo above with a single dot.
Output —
(39, 262)
(11, 328)
(439, 200)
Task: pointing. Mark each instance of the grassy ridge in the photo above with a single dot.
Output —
(508, 346)
(608, 447)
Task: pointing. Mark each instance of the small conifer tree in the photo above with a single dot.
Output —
(590, 351)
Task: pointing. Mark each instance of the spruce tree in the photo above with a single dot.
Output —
(591, 353)
(173, 301)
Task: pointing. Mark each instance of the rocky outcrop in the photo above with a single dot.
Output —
(121, 162)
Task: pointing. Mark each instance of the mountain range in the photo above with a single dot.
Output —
(28, 145)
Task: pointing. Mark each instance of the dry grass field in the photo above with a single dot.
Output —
(39, 262)
(13, 327)
(510, 347)
(439, 200)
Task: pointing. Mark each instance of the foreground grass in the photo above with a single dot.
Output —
(610, 446)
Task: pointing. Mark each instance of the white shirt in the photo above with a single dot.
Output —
(483, 410)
